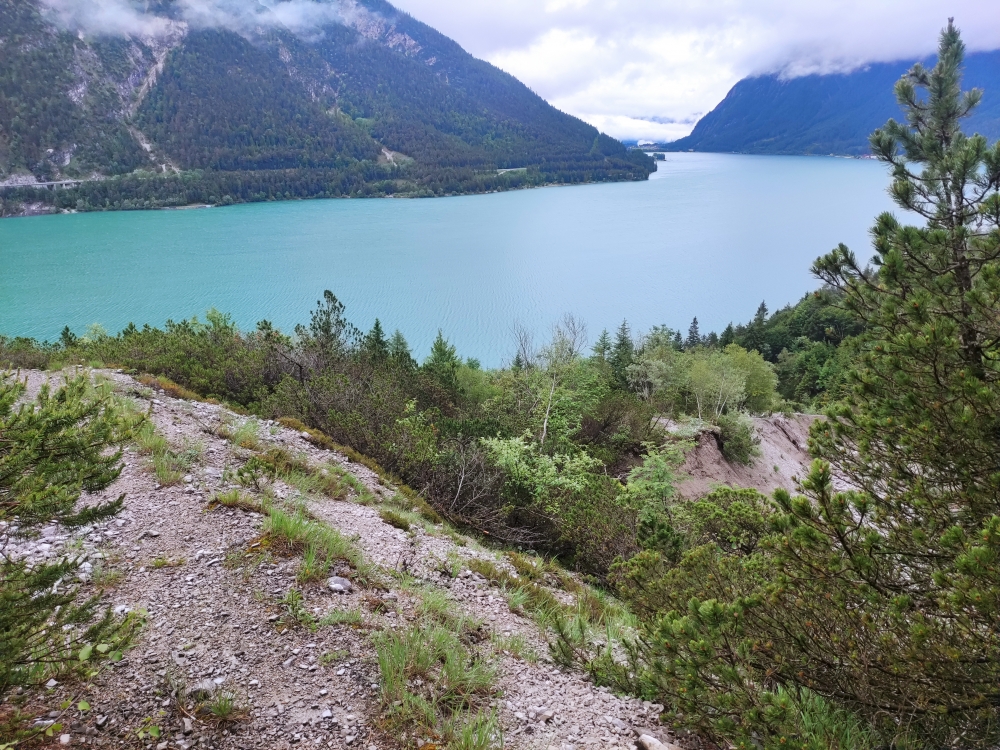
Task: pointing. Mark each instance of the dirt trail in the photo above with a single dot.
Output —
(214, 618)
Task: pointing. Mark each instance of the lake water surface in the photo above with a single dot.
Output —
(710, 235)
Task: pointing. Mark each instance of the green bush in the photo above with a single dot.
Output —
(52, 449)
(740, 443)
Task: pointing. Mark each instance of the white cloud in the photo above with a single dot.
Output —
(118, 17)
(620, 63)
(113, 17)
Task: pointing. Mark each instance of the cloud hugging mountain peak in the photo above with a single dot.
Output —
(254, 101)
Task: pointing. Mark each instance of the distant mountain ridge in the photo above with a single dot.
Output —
(827, 114)
(368, 102)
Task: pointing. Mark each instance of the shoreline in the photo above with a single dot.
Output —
(37, 209)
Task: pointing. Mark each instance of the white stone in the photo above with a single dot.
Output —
(648, 742)
(339, 585)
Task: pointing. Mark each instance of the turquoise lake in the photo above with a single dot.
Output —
(709, 235)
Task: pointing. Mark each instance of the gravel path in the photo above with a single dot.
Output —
(214, 619)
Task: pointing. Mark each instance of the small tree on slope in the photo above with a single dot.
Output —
(67, 442)
(919, 435)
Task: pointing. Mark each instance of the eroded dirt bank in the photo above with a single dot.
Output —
(784, 456)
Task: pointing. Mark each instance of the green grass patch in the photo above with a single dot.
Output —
(434, 685)
(314, 566)
(415, 508)
(408, 498)
(236, 499)
(414, 500)
(294, 533)
(517, 646)
(395, 518)
(332, 657)
(169, 387)
(294, 612)
(591, 608)
(524, 597)
(438, 675)
(104, 577)
(527, 566)
(245, 433)
(364, 495)
(169, 465)
(222, 709)
(350, 617)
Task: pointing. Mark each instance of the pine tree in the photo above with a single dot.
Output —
(728, 337)
(760, 317)
(919, 435)
(602, 347)
(622, 354)
(67, 338)
(375, 344)
(754, 336)
(52, 450)
(329, 333)
(443, 364)
(693, 339)
(399, 351)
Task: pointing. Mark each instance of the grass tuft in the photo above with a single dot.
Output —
(168, 465)
(236, 499)
(223, 708)
(298, 533)
(314, 566)
(245, 434)
(295, 612)
(517, 646)
(527, 566)
(350, 617)
(394, 518)
(432, 683)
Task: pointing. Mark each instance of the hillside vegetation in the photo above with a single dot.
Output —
(379, 105)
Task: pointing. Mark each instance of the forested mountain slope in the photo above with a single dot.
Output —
(826, 114)
(361, 100)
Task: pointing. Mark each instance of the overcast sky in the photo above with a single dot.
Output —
(650, 68)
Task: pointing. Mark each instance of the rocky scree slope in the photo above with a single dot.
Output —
(299, 668)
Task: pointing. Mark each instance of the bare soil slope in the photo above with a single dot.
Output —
(784, 457)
